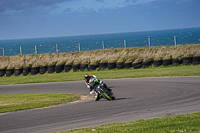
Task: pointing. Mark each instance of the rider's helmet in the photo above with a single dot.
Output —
(86, 77)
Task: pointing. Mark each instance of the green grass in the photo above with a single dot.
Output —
(170, 124)
(15, 102)
(181, 70)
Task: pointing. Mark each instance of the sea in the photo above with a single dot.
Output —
(99, 41)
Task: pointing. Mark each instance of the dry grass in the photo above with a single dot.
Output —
(97, 56)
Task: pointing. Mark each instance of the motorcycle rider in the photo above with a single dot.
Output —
(91, 84)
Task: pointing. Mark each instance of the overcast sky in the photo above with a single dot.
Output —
(52, 18)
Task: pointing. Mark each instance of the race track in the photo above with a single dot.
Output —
(137, 98)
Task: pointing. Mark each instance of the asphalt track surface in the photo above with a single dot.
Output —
(137, 98)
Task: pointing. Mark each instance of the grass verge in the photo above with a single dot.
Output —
(15, 102)
(180, 70)
(169, 124)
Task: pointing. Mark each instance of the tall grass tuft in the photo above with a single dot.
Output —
(100, 56)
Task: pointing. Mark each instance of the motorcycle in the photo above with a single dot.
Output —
(102, 92)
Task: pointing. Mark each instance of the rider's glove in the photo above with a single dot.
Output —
(88, 86)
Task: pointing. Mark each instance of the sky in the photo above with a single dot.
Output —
(53, 18)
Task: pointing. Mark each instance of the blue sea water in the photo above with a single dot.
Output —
(92, 42)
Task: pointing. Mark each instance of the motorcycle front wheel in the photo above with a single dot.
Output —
(107, 96)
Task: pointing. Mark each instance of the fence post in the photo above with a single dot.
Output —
(3, 52)
(103, 44)
(149, 43)
(35, 49)
(125, 43)
(20, 50)
(79, 47)
(175, 41)
(57, 48)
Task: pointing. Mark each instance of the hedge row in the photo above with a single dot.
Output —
(119, 65)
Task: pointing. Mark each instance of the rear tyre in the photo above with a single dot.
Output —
(113, 97)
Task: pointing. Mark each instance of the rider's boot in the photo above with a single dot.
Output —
(91, 91)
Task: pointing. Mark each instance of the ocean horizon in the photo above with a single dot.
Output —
(93, 42)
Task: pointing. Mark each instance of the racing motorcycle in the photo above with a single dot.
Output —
(103, 92)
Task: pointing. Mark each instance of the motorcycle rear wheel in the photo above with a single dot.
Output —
(113, 97)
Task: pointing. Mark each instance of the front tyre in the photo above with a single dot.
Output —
(107, 96)
(97, 98)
